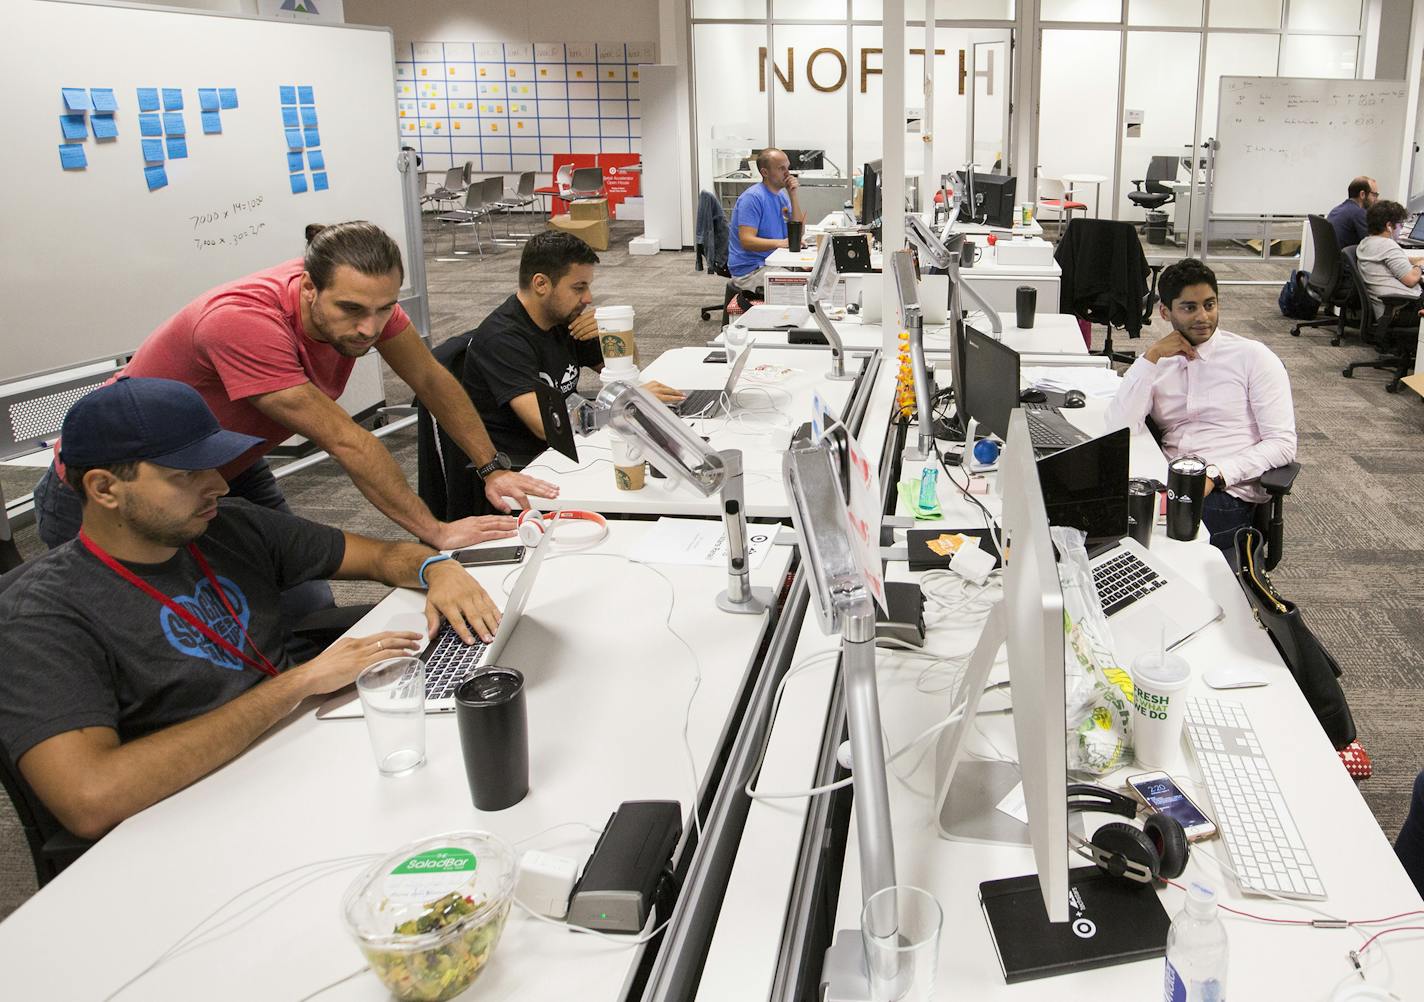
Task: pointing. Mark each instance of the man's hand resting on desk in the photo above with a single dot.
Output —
(1173, 344)
(472, 530)
(503, 484)
(666, 394)
(458, 597)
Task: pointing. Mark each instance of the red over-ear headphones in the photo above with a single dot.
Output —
(535, 525)
(1156, 851)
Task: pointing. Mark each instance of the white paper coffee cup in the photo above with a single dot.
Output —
(628, 469)
(1159, 707)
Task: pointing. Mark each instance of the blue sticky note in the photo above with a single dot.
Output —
(71, 156)
(73, 126)
(153, 151)
(104, 126)
(172, 98)
(316, 160)
(290, 119)
(294, 139)
(294, 162)
(77, 99)
(148, 99)
(156, 177)
(305, 93)
(177, 148)
(149, 125)
(103, 99)
(212, 122)
(289, 95)
(319, 181)
(309, 117)
(227, 97)
(313, 137)
(299, 183)
(173, 124)
(208, 98)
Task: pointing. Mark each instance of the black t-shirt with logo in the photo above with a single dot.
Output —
(508, 355)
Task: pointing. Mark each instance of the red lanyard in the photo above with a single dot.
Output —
(264, 665)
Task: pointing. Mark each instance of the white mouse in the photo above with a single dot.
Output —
(1234, 677)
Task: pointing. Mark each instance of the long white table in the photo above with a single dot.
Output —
(761, 423)
(1051, 334)
(606, 695)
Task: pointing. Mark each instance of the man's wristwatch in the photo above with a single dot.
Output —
(1214, 475)
(499, 462)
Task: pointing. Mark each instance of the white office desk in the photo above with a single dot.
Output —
(760, 425)
(607, 687)
(1051, 334)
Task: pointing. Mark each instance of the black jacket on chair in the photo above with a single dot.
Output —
(1105, 273)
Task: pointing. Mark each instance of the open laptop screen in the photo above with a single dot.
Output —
(1085, 487)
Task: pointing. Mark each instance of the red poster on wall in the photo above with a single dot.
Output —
(617, 181)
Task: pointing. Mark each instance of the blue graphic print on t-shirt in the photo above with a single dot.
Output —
(205, 606)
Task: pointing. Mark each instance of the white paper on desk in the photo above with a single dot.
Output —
(699, 542)
(1094, 382)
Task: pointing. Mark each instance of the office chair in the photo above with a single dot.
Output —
(1394, 335)
(1329, 282)
(1106, 279)
(586, 182)
(558, 187)
(1156, 194)
(475, 211)
(521, 199)
(1053, 194)
(452, 189)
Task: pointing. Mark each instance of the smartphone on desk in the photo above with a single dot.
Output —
(490, 555)
(1162, 796)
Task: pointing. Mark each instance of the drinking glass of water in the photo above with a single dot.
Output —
(393, 697)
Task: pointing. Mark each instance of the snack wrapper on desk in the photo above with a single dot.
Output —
(1098, 689)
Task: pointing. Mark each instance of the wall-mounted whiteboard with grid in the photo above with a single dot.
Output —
(508, 107)
(93, 258)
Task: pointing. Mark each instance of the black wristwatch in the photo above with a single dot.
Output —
(499, 462)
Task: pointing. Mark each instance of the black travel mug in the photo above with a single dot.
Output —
(967, 254)
(1141, 509)
(494, 736)
(793, 235)
(1025, 300)
(1186, 486)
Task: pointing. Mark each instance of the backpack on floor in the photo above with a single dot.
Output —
(1295, 299)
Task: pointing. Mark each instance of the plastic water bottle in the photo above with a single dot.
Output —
(1196, 951)
(928, 476)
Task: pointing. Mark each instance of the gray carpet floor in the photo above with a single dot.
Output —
(1354, 535)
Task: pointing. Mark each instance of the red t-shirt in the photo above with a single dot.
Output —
(244, 339)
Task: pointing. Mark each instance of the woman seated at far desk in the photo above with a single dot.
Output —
(1384, 266)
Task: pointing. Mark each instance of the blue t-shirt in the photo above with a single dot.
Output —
(1348, 218)
(768, 212)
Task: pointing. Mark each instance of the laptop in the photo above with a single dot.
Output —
(713, 403)
(991, 392)
(1085, 487)
(448, 659)
(1415, 238)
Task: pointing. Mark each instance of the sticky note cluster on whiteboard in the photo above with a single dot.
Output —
(303, 132)
(84, 110)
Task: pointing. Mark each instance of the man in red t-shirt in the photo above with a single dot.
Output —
(270, 353)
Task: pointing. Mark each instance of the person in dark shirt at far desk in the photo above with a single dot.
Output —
(1348, 218)
(543, 333)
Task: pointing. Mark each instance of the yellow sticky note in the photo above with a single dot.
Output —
(402, 114)
(519, 125)
(437, 125)
(452, 71)
(578, 73)
(424, 71)
(494, 126)
(543, 73)
(610, 74)
(635, 74)
(499, 109)
(457, 125)
(482, 71)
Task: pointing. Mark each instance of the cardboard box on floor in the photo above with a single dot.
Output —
(588, 208)
(593, 232)
(1415, 382)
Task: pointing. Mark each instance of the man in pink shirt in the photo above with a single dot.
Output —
(1212, 394)
(271, 352)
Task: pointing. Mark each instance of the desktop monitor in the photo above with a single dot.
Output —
(1029, 619)
(870, 194)
(992, 200)
(989, 391)
(806, 159)
(1085, 487)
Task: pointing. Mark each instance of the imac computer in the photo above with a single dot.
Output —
(989, 198)
(870, 194)
(1029, 619)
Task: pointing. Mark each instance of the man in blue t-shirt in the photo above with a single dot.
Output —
(1348, 218)
(759, 219)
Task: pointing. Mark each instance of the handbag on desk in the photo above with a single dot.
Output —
(1315, 670)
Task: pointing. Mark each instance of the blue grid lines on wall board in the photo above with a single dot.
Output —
(511, 106)
(302, 130)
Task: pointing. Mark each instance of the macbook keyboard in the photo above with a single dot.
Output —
(448, 662)
(1124, 579)
(700, 403)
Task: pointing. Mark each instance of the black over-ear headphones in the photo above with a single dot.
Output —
(1156, 851)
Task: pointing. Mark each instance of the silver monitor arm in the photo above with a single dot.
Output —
(818, 289)
(908, 287)
(843, 601)
(677, 452)
(931, 249)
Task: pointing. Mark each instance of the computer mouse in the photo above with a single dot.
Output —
(1075, 398)
(1032, 396)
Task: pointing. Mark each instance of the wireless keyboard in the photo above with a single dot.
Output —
(1256, 826)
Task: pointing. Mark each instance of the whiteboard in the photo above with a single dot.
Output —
(91, 260)
(1290, 146)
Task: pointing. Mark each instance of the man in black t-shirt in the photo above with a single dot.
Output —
(543, 333)
(149, 651)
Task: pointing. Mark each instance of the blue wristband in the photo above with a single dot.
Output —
(437, 558)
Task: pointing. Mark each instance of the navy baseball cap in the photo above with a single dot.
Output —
(159, 420)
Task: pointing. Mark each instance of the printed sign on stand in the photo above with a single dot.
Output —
(863, 513)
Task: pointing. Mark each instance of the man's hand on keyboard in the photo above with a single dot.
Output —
(666, 394)
(340, 663)
(460, 599)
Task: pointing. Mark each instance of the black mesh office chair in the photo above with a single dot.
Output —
(1329, 282)
(1394, 335)
(1152, 193)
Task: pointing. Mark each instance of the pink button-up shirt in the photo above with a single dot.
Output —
(1231, 406)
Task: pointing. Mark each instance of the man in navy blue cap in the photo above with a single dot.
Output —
(149, 651)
